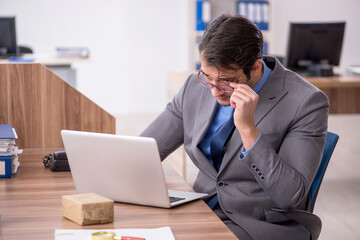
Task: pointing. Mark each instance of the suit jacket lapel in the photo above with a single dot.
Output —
(205, 114)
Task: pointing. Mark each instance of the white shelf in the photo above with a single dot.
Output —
(217, 8)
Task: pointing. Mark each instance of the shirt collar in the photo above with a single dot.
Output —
(265, 76)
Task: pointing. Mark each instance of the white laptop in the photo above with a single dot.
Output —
(123, 168)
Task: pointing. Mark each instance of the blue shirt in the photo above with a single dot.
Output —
(222, 114)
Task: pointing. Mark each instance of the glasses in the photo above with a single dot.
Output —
(202, 80)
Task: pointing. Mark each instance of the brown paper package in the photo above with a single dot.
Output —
(88, 208)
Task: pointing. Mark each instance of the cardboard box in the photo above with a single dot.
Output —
(88, 208)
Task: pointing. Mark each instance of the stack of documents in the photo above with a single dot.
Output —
(162, 233)
(9, 162)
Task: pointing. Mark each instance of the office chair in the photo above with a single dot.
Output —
(307, 218)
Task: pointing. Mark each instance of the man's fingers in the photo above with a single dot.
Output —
(239, 102)
(242, 88)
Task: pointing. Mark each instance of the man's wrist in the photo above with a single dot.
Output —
(249, 136)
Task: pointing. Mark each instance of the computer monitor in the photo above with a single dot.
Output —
(8, 45)
(314, 48)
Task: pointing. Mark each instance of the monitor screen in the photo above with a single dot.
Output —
(314, 44)
(8, 36)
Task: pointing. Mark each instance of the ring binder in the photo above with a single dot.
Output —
(203, 14)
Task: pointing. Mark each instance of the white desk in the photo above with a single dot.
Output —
(60, 66)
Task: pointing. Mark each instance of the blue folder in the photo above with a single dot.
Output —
(201, 20)
(5, 166)
(255, 11)
(6, 132)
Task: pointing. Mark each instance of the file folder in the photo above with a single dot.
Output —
(203, 14)
(258, 13)
(255, 11)
(7, 132)
(5, 166)
(9, 162)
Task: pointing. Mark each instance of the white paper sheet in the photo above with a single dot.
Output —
(163, 233)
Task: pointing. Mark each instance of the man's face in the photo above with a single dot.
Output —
(221, 78)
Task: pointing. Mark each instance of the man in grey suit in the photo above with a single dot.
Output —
(271, 155)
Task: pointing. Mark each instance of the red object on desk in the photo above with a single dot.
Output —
(129, 238)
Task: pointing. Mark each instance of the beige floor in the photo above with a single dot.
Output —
(339, 196)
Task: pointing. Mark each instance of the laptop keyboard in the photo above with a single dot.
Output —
(175, 199)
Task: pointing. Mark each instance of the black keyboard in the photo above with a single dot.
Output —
(175, 199)
(8, 56)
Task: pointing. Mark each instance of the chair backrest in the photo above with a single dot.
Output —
(330, 143)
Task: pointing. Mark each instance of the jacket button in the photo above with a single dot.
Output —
(253, 166)
(220, 184)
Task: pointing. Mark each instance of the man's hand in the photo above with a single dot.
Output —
(244, 100)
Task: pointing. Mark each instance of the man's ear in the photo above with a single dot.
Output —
(257, 68)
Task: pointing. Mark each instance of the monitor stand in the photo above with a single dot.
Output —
(324, 70)
(8, 56)
(317, 70)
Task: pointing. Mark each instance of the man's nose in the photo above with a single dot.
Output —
(216, 92)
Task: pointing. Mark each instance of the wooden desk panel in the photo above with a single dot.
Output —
(30, 207)
(343, 92)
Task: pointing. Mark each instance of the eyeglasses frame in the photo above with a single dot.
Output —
(210, 85)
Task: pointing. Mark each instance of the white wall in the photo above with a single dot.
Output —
(133, 45)
(285, 11)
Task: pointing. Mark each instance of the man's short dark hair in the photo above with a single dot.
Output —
(232, 41)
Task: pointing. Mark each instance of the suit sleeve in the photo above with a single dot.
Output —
(167, 129)
(287, 175)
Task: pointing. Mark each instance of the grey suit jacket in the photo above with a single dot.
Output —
(291, 115)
